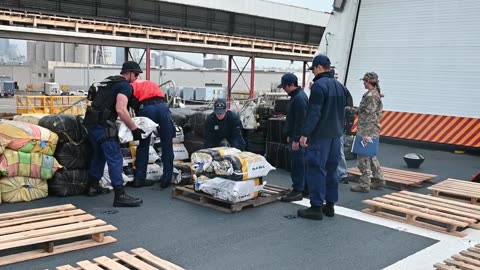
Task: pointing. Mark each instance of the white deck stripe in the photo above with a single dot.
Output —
(447, 246)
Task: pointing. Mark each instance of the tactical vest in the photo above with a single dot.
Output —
(102, 109)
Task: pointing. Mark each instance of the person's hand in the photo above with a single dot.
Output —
(137, 134)
(303, 141)
(288, 139)
(295, 146)
(366, 139)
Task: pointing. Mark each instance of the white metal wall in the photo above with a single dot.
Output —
(427, 55)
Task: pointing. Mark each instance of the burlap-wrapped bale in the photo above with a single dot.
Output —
(22, 189)
(31, 118)
(35, 165)
(68, 183)
(28, 138)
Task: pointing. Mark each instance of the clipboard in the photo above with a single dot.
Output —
(367, 149)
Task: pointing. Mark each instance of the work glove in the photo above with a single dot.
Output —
(137, 134)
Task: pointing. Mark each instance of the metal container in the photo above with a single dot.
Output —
(188, 93)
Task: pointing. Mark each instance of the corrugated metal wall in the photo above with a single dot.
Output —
(177, 16)
(426, 54)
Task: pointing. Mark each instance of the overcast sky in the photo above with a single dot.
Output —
(320, 5)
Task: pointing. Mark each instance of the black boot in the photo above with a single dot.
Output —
(164, 183)
(123, 200)
(94, 188)
(293, 196)
(328, 209)
(137, 183)
(314, 212)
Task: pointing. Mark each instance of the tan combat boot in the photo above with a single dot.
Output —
(358, 188)
(377, 184)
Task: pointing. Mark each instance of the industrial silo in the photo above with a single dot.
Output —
(49, 51)
(81, 53)
(40, 51)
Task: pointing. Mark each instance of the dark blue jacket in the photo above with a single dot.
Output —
(229, 128)
(296, 112)
(326, 109)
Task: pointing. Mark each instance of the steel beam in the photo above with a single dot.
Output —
(252, 77)
(229, 81)
(147, 68)
(304, 78)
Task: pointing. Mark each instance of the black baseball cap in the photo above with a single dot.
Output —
(320, 60)
(288, 78)
(220, 106)
(131, 66)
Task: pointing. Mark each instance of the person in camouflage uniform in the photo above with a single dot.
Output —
(369, 115)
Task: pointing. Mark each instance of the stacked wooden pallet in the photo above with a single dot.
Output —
(426, 211)
(139, 259)
(459, 189)
(44, 227)
(402, 178)
(468, 259)
(269, 194)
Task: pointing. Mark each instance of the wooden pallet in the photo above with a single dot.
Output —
(463, 190)
(139, 259)
(270, 194)
(401, 178)
(45, 227)
(467, 259)
(438, 214)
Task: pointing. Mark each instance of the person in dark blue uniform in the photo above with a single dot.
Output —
(321, 133)
(223, 124)
(296, 112)
(153, 106)
(110, 100)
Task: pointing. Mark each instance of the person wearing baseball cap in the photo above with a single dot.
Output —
(323, 127)
(222, 125)
(296, 112)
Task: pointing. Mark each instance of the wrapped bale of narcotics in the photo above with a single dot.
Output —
(68, 127)
(31, 118)
(179, 152)
(106, 182)
(68, 183)
(22, 189)
(202, 159)
(73, 156)
(154, 172)
(182, 174)
(241, 166)
(230, 191)
(28, 138)
(35, 165)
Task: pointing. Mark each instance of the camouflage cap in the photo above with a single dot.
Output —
(370, 77)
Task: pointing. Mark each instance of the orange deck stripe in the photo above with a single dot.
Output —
(427, 127)
(461, 131)
(386, 129)
(443, 130)
(440, 120)
(416, 122)
(398, 129)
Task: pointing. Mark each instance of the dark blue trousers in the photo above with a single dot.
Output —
(160, 114)
(322, 177)
(298, 168)
(105, 151)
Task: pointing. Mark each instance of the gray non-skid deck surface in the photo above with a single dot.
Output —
(197, 237)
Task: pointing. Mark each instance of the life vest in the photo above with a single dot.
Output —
(144, 90)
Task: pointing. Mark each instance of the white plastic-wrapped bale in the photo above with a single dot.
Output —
(231, 191)
(154, 172)
(180, 152)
